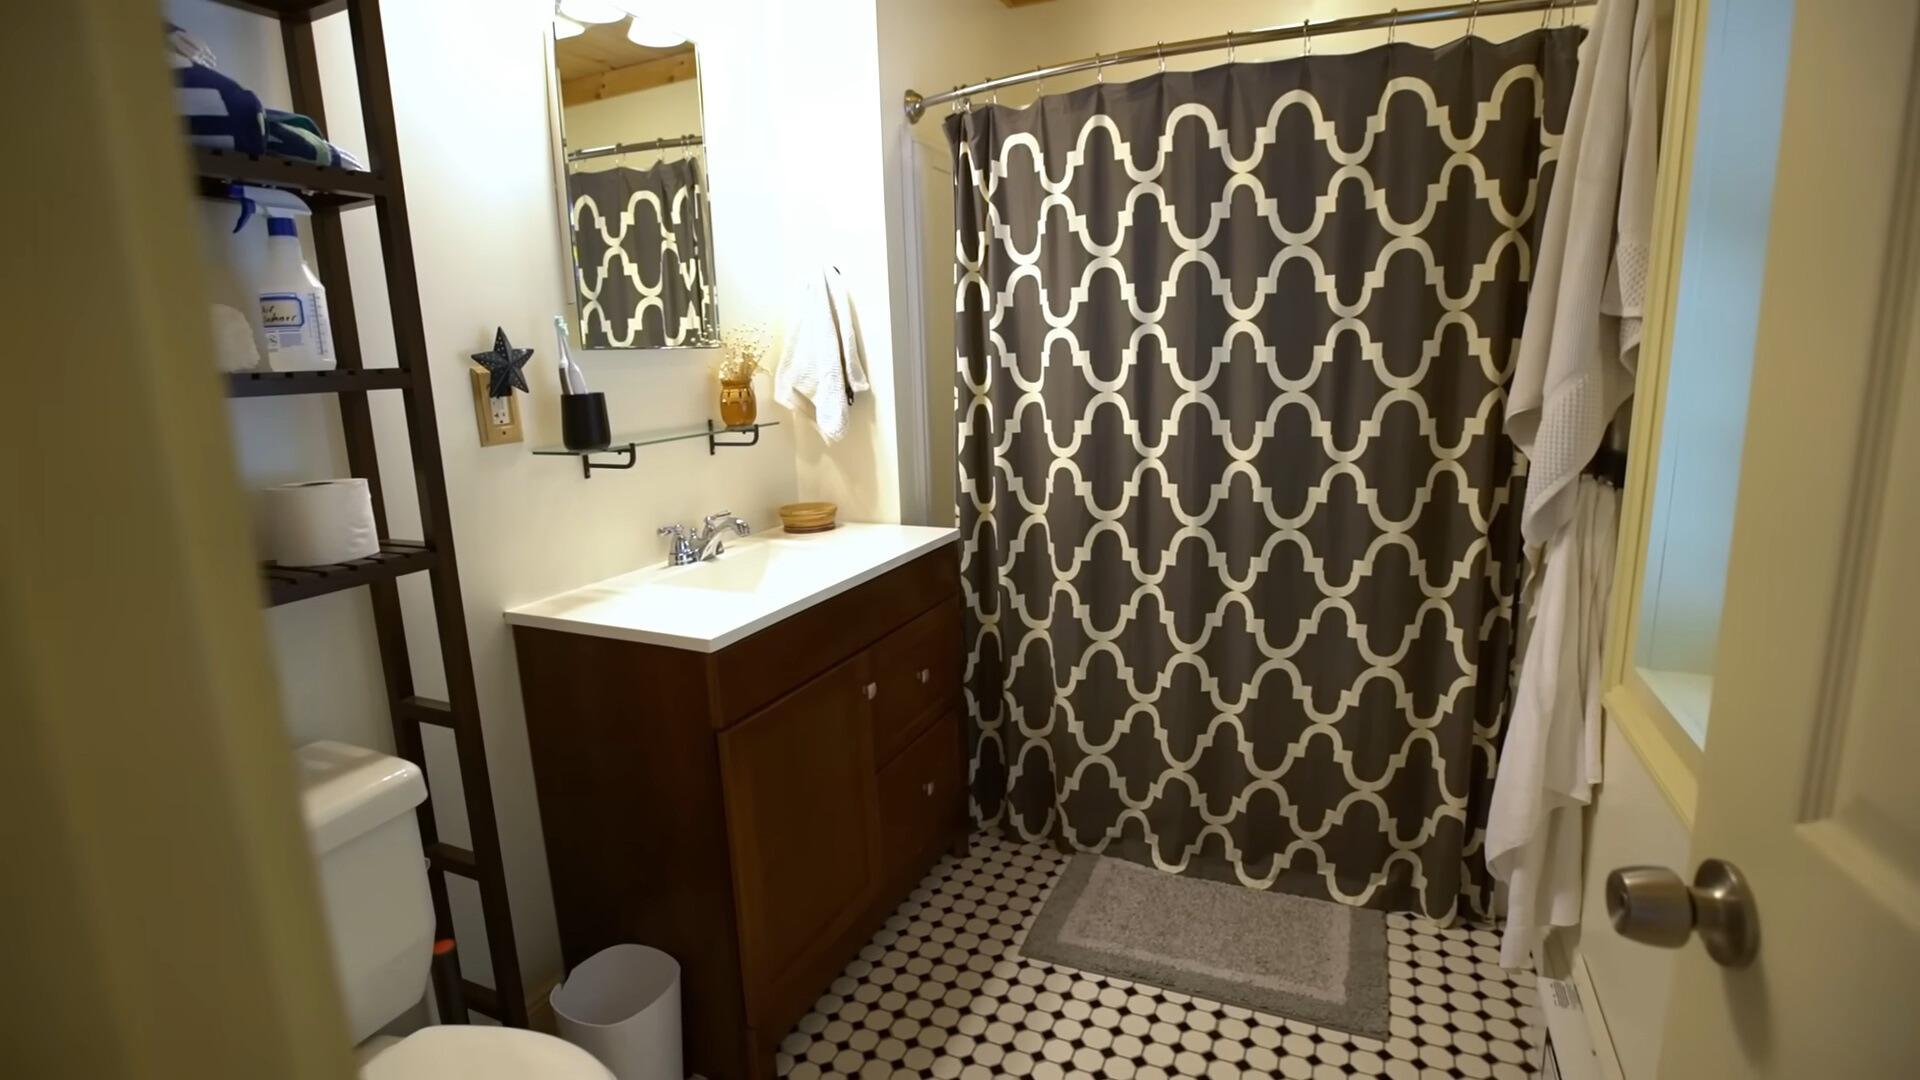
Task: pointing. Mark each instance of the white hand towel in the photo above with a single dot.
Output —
(1581, 341)
(1550, 761)
(824, 363)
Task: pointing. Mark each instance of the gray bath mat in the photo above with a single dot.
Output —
(1288, 956)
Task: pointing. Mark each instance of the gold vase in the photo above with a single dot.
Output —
(737, 405)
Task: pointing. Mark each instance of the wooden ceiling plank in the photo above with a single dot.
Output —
(673, 68)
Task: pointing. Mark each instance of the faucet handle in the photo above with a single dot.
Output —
(679, 548)
(718, 519)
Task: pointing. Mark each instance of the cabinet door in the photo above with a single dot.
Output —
(799, 794)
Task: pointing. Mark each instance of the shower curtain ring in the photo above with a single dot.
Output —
(1306, 27)
(1473, 16)
(1547, 15)
(1160, 50)
(1099, 70)
(1229, 46)
(1393, 25)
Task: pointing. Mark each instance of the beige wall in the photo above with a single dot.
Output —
(470, 89)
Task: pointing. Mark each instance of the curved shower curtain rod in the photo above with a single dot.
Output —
(916, 104)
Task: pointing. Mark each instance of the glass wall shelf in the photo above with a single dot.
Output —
(628, 445)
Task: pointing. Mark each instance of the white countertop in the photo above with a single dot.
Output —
(757, 582)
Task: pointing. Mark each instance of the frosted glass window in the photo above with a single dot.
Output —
(1730, 195)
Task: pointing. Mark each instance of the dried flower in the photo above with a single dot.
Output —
(743, 351)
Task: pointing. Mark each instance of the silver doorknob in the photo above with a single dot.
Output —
(1652, 905)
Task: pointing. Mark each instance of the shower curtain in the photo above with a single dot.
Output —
(643, 268)
(1240, 539)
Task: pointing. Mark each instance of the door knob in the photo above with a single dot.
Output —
(872, 690)
(1652, 905)
(923, 675)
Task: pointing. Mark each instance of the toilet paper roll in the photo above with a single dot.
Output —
(318, 522)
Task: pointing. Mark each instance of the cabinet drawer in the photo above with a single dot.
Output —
(921, 797)
(914, 670)
(752, 672)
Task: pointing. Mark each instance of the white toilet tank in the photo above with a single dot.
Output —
(373, 878)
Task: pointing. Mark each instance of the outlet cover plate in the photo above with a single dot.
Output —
(499, 418)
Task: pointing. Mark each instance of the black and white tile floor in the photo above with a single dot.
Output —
(942, 991)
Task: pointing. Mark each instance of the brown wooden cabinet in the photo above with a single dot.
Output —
(756, 812)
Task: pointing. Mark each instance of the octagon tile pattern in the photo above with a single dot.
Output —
(942, 991)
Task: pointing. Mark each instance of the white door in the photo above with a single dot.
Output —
(1811, 784)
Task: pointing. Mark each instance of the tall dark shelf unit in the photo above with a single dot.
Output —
(331, 191)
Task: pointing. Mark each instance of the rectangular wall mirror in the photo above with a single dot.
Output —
(636, 176)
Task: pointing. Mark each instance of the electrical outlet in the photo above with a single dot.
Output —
(499, 418)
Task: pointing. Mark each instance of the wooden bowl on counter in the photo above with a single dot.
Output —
(808, 517)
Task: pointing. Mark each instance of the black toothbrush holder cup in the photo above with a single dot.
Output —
(583, 421)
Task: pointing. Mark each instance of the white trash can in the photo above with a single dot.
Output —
(623, 1006)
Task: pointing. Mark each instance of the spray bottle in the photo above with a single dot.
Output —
(289, 299)
(293, 303)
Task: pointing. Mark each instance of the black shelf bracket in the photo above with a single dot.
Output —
(587, 464)
(714, 442)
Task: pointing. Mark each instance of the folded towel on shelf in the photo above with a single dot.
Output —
(824, 364)
(225, 115)
(291, 135)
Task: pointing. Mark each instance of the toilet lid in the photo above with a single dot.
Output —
(463, 1052)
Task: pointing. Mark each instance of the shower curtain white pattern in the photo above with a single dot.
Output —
(1239, 518)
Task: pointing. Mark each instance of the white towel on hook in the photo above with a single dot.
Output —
(1581, 342)
(824, 363)
(1550, 761)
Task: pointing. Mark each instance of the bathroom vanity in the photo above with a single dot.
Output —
(748, 763)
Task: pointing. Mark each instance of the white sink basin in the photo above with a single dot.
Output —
(743, 567)
(755, 583)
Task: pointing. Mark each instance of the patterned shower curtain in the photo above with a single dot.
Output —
(1240, 522)
(643, 263)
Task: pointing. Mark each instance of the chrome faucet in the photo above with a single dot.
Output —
(707, 541)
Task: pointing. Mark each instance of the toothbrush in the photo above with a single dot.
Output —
(571, 381)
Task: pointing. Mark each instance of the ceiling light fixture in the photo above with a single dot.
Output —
(653, 35)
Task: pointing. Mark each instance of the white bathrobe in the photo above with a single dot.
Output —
(1581, 341)
(824, 362)
(1550, 762)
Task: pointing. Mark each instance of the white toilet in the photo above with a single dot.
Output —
(373, 879)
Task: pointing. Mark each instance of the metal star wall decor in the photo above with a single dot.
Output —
(503, 364)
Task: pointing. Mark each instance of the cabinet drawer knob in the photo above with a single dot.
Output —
(923, 675)
(873, 691)
(927, 787)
